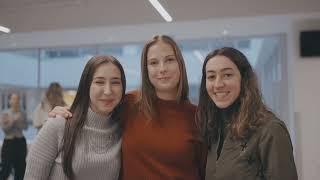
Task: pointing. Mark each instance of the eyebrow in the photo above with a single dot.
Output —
(222, 70)
(153, 58)
(116, 78)
(98, 77)
(171, 55)
(102, 78)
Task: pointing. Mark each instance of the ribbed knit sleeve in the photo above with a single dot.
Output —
(44, 150)
(97, 150)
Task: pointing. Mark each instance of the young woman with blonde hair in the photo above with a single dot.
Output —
(53, 97)
(160, 137)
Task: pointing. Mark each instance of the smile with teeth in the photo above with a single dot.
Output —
(221, 94)
(108, 102)
(163, 78)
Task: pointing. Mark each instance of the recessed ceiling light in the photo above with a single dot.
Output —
(225, 32)
(4, 29)
(166, 16)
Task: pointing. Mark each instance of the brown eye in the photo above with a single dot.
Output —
(171, 59)
(228, 75)
(115, 82)
(153, 63)
(210, 77)
(99, 82)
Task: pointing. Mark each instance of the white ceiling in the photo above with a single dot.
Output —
(44, 15)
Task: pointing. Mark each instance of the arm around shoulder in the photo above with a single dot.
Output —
(276, 152)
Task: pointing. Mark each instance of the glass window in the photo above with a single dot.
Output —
(63, 65)
(23, 70)
(19, 68)
(129, 56)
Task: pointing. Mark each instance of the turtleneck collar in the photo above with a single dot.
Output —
(98, 121)
(227, 113)
(166, 102)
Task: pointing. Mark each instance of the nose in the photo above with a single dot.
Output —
(218, 82)
(163, 67)
(107, 89)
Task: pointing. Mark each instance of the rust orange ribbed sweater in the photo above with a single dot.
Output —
(163, 148)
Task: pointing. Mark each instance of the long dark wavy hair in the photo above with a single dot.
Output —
(80, 107)
(252, 111)
(147, 97)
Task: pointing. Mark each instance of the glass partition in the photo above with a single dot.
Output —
(31, 71)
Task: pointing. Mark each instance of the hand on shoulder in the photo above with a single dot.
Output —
(61, 111)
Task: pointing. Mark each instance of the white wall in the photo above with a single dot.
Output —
(307, 109)
(304, 111)
(307, 120)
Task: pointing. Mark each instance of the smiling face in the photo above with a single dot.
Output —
(106, 89)
(223, 81)
(163, 70)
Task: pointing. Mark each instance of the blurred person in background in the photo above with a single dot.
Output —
(53, 97)
(14, 147)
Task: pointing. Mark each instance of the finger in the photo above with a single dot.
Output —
(52, 114)
(66, 107)
(67, 115)
(61, 111)
(56, 111)
(64, 112)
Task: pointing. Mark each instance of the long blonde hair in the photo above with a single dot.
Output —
(54, 96)
(147, 97)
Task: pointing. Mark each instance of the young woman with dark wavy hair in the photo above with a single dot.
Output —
(245, 139)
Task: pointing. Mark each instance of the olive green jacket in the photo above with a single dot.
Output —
(267, 154)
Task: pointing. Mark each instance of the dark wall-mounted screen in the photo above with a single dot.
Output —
(310, 43)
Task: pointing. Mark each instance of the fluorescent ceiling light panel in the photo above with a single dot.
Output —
(4, 29)
(166, 16)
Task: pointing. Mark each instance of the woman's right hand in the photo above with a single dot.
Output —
(60, 111)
